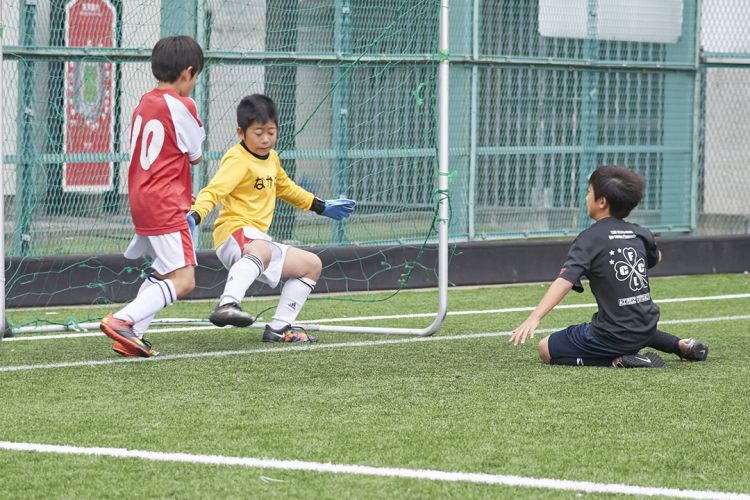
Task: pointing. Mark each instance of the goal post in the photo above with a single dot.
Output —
(2, 196)
(443, 201)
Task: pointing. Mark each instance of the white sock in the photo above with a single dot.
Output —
(141, 326)
(152, 300)
(241, 276)
(293, 297)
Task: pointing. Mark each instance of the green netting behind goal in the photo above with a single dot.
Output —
(541, 92)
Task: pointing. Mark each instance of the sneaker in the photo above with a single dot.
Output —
(124, 350)
(696, 351)
(287, 334)
(646, 360)
(230, 314)
(122, 332)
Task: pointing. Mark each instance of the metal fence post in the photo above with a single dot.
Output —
(25, 148)
(340, 115)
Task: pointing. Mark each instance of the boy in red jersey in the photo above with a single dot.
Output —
(165, 139)
(248, 181)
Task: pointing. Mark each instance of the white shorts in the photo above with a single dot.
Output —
(231, 251)
(168, 251)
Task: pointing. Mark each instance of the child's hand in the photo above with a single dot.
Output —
(193, 219)
(339, 209)
(525, 329)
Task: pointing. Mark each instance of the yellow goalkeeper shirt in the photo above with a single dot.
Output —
(247, 188)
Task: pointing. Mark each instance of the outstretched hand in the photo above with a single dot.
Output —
(339, 209)
(524, 330)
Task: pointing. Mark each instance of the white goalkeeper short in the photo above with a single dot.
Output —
(230, 252)
(168, 251)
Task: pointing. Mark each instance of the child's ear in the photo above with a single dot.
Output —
(240, 132)
(602, 202)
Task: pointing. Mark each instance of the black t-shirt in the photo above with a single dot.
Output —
(615, 255)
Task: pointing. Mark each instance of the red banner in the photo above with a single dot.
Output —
(89, 96)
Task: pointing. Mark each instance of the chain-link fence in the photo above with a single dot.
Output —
(725, 73)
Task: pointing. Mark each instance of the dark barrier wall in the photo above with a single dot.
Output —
(112, 278)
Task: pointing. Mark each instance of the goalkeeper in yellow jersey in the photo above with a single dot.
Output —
(248, 181)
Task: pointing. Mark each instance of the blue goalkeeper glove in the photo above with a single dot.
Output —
(339, 209)
(335, 209)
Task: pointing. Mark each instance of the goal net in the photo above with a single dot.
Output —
(356, 86)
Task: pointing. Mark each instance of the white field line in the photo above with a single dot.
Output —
(373, 318)
(517, 309)
(366, 470)
(268, 350)
(316, 347)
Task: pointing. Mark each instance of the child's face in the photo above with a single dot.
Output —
(596, 208)
(590, 201)
(259, 138)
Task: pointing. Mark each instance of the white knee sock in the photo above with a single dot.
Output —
(150, 301)
(293, 297)
(141, 326)
(241, 276)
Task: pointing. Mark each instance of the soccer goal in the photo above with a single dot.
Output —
(362, 90)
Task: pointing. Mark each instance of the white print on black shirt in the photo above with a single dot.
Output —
(630, 267)
(615, 234)
(636, 299)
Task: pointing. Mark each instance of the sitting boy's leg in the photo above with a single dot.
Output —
(689, 349)
(577, 346)
(546, 358)
(665, 342)
(543, 348)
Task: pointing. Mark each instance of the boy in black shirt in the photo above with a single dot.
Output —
(614, 255)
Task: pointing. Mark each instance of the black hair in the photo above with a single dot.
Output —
(173, 54)
(622, 187)
(256, 108)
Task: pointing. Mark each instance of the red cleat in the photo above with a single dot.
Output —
(127, 342)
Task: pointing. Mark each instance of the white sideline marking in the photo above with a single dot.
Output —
(515, 309)
(316, 347)
(267, 350)
(371, 318)
(366, 470)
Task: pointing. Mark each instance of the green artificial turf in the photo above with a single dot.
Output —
(464, 405)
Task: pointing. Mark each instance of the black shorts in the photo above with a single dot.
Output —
(578, 341)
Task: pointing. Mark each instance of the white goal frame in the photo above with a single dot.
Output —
(442, 222)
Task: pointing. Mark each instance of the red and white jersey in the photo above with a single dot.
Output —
(165, 135)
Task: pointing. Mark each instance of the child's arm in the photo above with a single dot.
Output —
(230, 173)
(555, 293)
(290, 192)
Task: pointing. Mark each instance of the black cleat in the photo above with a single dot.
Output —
(696, 351)
(230, 314)
(287, 334)
(646, 360)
